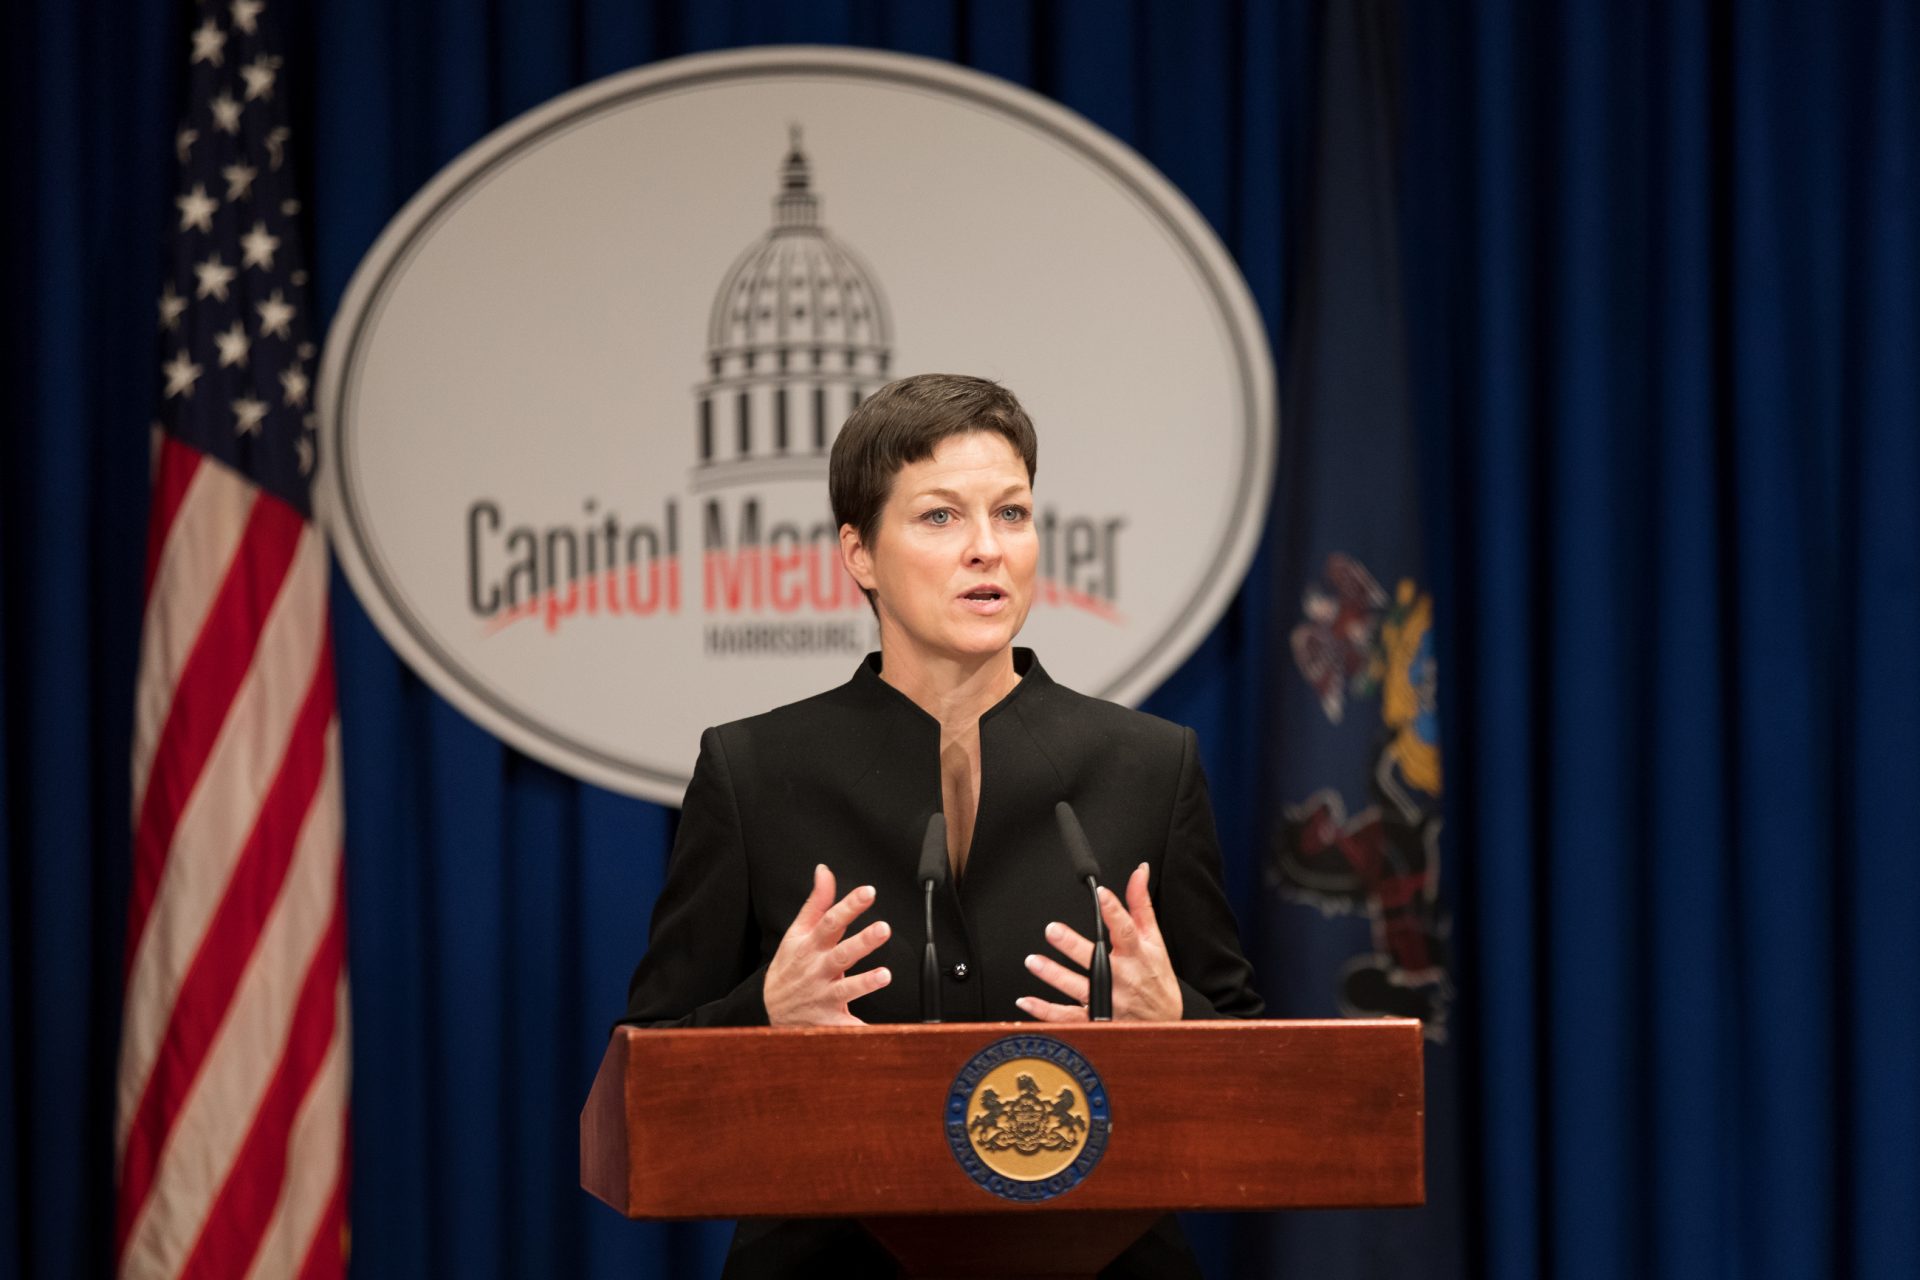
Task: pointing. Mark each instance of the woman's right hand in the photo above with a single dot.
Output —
(807, 980)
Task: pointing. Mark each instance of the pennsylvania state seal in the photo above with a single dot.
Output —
(1027, 1118)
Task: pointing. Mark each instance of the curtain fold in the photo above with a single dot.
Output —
(1680, 427)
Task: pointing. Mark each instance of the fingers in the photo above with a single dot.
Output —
(1066, 981)
(850, 988)
(841, 914)
(859, 946)
(1035, 1007)
(806, 982)
(1120, 929)
(1070, 944)
(1140, 902)
(818, 899)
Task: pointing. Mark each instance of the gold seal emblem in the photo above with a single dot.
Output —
(1027, 1119)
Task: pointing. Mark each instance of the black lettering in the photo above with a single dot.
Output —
(557, 539)
(592, 547)
(1082, 550)
(643, 569)
(716, 525)
(1110, 552)
(610, 531)
(637, 537)
(523, 579)
(489, 605)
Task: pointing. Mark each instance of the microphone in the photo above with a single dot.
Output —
(1080, 853)
(933, 872)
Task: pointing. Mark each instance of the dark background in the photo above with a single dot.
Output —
(1662, 309)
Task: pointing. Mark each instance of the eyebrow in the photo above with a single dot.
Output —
(951, 496)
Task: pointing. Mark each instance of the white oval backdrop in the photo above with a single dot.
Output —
(517, 463)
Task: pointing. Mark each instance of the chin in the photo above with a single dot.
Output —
(986, 642)
(962, 638)
(978, 642)
(978, 646)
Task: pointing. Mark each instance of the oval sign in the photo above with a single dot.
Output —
(576, 404)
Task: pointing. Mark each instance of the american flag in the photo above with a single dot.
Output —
(231, 1133)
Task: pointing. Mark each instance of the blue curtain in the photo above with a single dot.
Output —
(1664, 303)
(88, 94)
(1661, 284)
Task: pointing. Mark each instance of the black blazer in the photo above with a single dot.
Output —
(850, 777)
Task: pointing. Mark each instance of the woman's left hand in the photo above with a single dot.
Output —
(1144, 988)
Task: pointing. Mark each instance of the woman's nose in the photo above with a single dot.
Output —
(984, 546)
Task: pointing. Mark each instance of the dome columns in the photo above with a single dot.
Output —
(799, 333)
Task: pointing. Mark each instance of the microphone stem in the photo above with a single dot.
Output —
(1100, 980)
(929, 969)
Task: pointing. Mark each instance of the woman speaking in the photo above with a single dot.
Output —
(931, 483)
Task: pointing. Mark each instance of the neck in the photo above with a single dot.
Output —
(954, 691)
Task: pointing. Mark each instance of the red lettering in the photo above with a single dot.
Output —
(733, 580)
(785, 599)
(829, 585)
(562, 605)
(643, 601)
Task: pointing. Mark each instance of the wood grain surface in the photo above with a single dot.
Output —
(847, 1122)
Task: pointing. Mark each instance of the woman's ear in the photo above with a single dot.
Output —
(856, 557)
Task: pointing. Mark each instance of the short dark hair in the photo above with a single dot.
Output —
(903, 423)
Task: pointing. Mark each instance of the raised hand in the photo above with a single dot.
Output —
(807, 982)
(1144, 988)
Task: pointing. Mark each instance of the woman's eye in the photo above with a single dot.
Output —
(1013, 515)
(940, 515)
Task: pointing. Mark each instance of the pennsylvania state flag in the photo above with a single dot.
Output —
(1355, 913)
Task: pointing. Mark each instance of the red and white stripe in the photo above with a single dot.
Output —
(231, 1132)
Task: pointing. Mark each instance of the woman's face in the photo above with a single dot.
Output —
(952, 558)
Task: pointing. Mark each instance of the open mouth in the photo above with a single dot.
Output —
(985, 601)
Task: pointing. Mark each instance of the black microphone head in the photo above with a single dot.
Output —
(933, 851)
(1079, 852)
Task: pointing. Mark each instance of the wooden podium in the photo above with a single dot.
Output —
(852, 1123)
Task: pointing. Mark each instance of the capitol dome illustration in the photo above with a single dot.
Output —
(798, 333)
